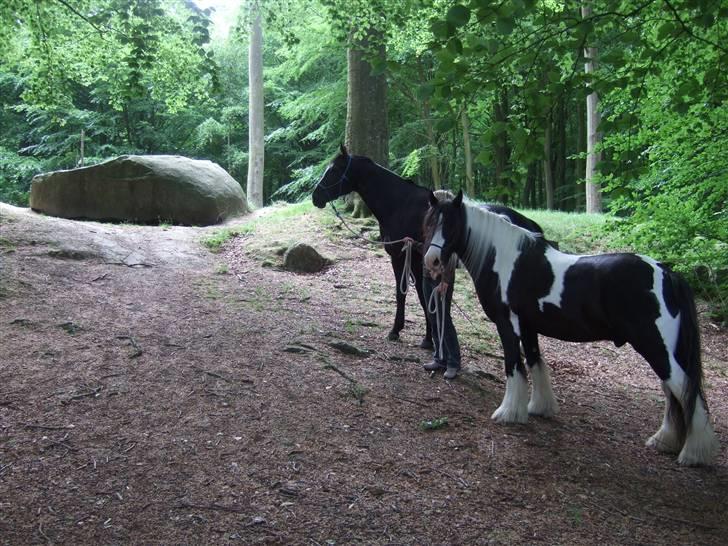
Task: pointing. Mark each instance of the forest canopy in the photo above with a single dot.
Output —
(483, 95)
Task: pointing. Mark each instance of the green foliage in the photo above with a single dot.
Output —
(677, 211)
(16, 172)
(434, 424)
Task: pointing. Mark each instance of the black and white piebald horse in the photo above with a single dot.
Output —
(399, 205)
(527, 287)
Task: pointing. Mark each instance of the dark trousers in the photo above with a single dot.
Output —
(450, 345)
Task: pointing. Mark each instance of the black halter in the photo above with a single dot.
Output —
(339, 182)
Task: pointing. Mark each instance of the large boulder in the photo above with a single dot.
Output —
(144, 189)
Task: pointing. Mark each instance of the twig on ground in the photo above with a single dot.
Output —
(92, 392)
(217, 375)
(49, 427)
(213, 506)
(683, 521)
(40, 530)
(137, 349)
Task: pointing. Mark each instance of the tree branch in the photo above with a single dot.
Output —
(689, 32)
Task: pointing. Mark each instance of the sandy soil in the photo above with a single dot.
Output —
(154, 392)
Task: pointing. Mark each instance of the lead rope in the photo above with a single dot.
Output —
(436, 305)
(408, 278)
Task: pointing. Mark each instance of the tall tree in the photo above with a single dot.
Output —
(367, 130)
(593, 136)
(256, 134)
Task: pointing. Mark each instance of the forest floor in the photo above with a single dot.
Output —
(152, 392)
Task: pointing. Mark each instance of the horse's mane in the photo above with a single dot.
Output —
(389, 171)
(488, 231)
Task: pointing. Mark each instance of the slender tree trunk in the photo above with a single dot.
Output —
(528, 197)
(128, 127)
(548, 177)
(432, 153)
(560, 151)
(593, 192)
(256, 145)
(367, 130)
(580, 164)
(502, 149)
(81, 160)
(467, 153)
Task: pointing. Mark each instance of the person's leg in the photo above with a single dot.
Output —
(437, 362)
(450, 343)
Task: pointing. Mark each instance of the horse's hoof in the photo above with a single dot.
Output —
(393, 336)
(426, 344)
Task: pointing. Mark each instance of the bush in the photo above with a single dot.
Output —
(16, 173)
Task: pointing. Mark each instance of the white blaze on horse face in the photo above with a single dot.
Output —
(433, 256)
(560, 264)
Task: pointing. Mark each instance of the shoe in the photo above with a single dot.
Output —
(434, 366)
(451, 373)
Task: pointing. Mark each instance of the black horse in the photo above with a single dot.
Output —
(527, 287)
(400, 207)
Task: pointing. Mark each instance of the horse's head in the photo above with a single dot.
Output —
(444, 226)
(336, 180)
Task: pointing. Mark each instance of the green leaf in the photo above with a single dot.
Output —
(665, 30)
(425, 91)
(504, 25)
(705, 20)
(455, 46)
(458, 15)
(444, 125)
(484, 157)
(442, 29)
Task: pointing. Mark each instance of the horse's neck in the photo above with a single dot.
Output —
(375, 185)
(487, 232)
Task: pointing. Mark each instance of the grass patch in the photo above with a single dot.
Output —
(219, 237)
(576, 233)
(6, 245)
(434, 424)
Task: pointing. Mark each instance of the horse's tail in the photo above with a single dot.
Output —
(687, 350)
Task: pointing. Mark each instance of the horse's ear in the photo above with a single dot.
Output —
(433, 200)
(458, 199)
(343, 150)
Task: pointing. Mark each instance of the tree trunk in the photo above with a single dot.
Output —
(528, 197)
(256, 145)
(559, 126)
(467, 153)
(501, 147)
(593, 192)
(366, 114)
(580, 164)
(433, 152)
(548, 176)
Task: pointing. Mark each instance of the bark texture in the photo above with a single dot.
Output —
(256, 145)
(367, 130)
(593, 136)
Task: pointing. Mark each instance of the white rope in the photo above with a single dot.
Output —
(408, 278)
(436, 305)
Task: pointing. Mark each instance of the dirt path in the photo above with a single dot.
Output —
(152, 392)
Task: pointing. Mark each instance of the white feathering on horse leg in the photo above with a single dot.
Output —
(667, 438)
(514, 408)
(701, 445)
(543, 402)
